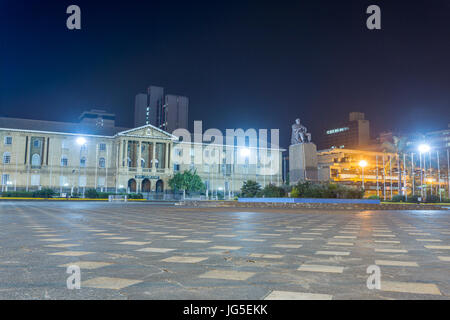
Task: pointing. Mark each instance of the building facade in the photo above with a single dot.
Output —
(134, 160)
(354, 133)
(387, 174)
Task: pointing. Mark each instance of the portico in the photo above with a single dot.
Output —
(144, 159)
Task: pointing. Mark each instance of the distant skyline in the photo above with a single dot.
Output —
(242, 64)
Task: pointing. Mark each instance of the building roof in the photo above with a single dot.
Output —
(62, 127)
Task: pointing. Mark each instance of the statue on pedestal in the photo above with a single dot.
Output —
(299, 133)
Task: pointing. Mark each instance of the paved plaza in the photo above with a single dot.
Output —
(151, 251)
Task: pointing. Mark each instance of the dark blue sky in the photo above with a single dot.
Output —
(242, 63)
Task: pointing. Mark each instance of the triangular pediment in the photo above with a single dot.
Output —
(148, 131)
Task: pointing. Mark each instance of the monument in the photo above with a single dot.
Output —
(302, 155)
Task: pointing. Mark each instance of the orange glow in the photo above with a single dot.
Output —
(363, 163)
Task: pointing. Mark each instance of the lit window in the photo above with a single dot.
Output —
(6, 158)
(5, 179)
(82, 181)
(8, 140)
(63, 181)
(101, 181)
(35, 180)
(333, 131)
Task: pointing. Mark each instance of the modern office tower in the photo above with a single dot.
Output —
(148, 107)
(354, 133)
(168, 112)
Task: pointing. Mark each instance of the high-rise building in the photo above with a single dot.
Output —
(354, 133)
(175, 113)
(148, 107)
(167, 112)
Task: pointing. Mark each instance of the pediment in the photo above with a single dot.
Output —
(148, 131)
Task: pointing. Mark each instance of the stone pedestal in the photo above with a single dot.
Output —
(302, 162)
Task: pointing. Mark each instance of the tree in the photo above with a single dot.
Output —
(188, 181)
(250, 189)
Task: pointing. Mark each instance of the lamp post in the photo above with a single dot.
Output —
(363, 164)
(81, 142)
(423, 148)
(245, 153)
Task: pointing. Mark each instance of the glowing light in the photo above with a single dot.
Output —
(424, 148)
(81, 141)
(245, 152)
(363, 163)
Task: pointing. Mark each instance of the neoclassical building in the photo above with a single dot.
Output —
(94, 153)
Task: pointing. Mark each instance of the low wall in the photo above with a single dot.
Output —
(308, 200)
(316, 205)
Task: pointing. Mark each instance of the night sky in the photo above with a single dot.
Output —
(248, 64)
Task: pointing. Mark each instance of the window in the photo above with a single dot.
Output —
(8, 141)
(333, 131)
(156, 162)
(36, 143)
(36, 160)
(101, 162)
(176, 167)
(63, 181)
(64, 161)
(83, 148)
(6, 158)
(101, 181)
(82, 181)
(102, 146)
(5, 179)
(83, 162)
(142, 163)
(35, 180)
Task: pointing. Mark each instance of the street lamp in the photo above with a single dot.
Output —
(424, 148)
(81, 141)
(245, 153)
(363, 164)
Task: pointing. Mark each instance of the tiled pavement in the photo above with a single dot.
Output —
(142, 251)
